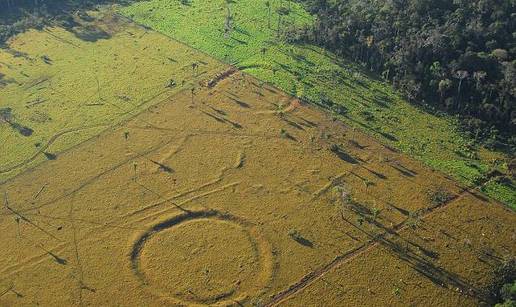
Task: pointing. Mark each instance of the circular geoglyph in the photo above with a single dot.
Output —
(202, 257)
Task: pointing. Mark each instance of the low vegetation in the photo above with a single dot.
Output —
(440, 197)
(49, 105)
(261, 41)
(135, 168)
(262, 38)
(503, 288)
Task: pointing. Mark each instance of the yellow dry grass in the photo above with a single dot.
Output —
(240, 194)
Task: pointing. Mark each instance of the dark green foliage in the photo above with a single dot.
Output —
(50, 156)
(508, 292)
(440, 196)
(457, 56)
(502, 290)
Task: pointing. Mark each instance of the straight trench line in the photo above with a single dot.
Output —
(137, 111)
(313, 276)
(317, 274)
(103, 228)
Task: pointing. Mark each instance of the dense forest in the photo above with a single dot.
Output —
(451, 55)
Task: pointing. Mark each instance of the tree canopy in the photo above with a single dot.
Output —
(455, 55)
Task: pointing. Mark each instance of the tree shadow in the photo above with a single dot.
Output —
(409, 252)
(296, 236)
(403, 170)
(339, 152)
(240, 103)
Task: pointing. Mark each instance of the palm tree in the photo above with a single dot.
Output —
(263, 51)
(479, 76)
(194, 68)
(461, 75)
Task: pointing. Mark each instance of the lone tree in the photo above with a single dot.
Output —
(193, 93)
(263, 51)
(461, 75)
(195, 66)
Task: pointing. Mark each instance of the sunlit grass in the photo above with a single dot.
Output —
(316, 75)
(67, 89)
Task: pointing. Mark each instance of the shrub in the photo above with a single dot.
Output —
(339, 109)
(375, 212)
(502, 290)
(335, 148)
(414, 220)
(50, 156)
(6, 114)
(440, 196)
(283, 134)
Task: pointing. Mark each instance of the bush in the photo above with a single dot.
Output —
(440, 196)
(502, 290)
(339, 109)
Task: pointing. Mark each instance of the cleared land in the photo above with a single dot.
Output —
(236, 193)
(257, 47)
(66, 84)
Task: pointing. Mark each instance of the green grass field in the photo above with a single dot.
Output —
(312, 73)
(66, 85)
